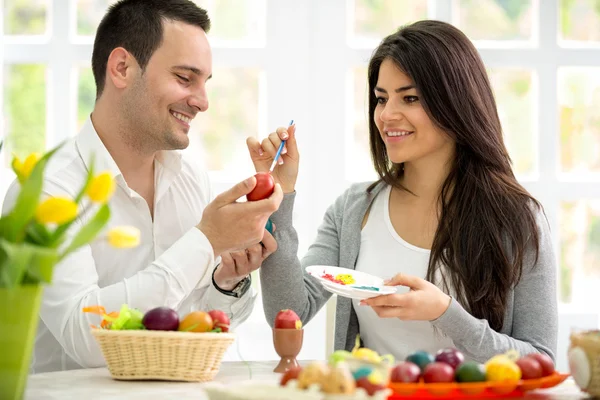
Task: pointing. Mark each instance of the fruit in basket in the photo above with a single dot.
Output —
(290, 374)
(362, 371)
(161, 319)
(339, 356)
(405, 372)
(370, 384)
(530, 368)
(220, 320)
(421, 358)
(127, 319)
(501, 368)
(287, 319)
(470, 371)
(339, 381)
(450, 356)
(315, 373)
(366, 354)
(196, 321)
(438, 372)
(545, 362)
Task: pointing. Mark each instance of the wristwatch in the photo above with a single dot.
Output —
(238, 291)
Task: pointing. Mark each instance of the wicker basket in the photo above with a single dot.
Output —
(589, 342)
(163, 355)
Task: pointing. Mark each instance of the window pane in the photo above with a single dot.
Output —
(580, 20)
(579, 102)
(25, 17)
(218, 137)
(86, 95)
(24, 109)
(374, 19)
(89, 14)
(358, 156)
(232, 20)
(580, 252)
(495, 19)
(515, 98)
(236, 20)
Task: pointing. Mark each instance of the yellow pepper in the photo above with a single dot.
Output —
(101, 188)
(56, 210)
(124, 237)
(23, 168)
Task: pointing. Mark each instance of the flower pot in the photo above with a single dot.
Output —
(19, 309)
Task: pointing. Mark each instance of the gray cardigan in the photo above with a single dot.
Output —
(530, 322)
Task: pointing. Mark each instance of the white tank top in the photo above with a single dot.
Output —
(384, 253)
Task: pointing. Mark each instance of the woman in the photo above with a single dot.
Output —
(465, 243)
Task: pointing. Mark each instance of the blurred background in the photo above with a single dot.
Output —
(276, 60)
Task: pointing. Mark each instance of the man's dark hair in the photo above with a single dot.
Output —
(137, 26)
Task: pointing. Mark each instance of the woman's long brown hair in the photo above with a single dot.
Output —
(487, 221)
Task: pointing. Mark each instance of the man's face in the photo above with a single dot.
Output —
(162, 101)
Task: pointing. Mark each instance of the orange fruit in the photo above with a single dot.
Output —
(196, 321)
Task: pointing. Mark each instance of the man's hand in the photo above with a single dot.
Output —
(236, 265)
(230, 225)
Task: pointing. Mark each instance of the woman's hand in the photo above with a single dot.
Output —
(262, 154)
(424, 301)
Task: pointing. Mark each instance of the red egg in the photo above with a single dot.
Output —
(450, 356)
(530, 368)
(545, 362)
(290, 374)
(220, 319)
(438, 372)
(405, 372)
(264, 187)
(370, 387)
(287, 319)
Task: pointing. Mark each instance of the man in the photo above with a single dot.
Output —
(151, 61)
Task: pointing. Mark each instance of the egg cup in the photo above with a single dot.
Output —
(287, 343)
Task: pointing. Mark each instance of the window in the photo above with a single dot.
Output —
(306, 60)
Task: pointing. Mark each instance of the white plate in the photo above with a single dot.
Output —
(364, 286)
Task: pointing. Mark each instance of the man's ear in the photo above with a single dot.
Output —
(120, 67)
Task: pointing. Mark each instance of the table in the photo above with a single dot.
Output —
(92, 384)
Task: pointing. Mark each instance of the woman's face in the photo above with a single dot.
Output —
(405, 128)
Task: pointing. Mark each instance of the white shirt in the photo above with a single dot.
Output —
(171, 267)
(384, 253)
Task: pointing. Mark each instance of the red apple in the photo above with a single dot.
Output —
(220, 320)
(405, 372)
(438, 372)
(264, 187)
(530, 368)
(545, 362)
(287, 319)
(450, 356)
(369, 386)
(290, 374)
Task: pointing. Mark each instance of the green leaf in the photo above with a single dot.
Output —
(38, 234)
(25, 262)
(89, 231)
(28, 199)
(14, 264)
(42, 263)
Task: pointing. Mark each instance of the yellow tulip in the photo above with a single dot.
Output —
(101, 188)
(124, 237)
(23, 169)
(56, 210)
